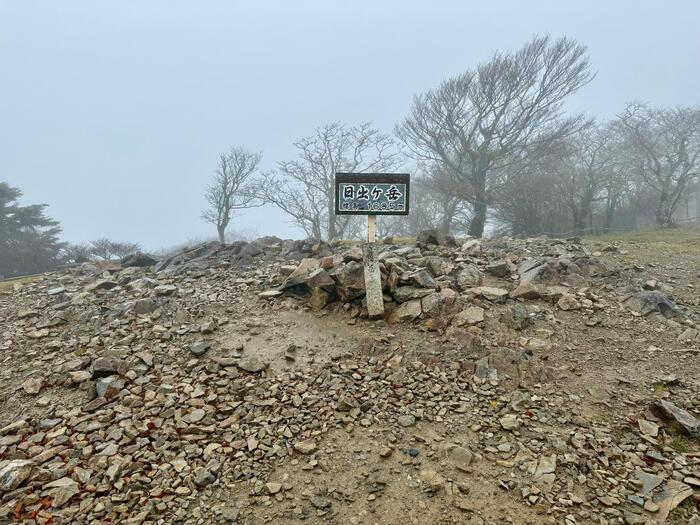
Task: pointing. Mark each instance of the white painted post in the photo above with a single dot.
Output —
(373, 277)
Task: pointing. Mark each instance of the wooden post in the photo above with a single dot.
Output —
(373, 277)
(371, 229)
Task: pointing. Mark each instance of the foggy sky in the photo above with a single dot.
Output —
(114, 112)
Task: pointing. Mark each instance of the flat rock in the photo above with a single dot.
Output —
(61, 491)
(14, 428)
(509, 422)
(682, 418)
(105, 366)
(306, 447)
(460, 457)
(423, 279)
(407, 293)
(319, 502)
(434, 481)
(203, 477)
(568, 302)
(405, 312)
(469, 316)
(164, 290)
(646, 302)
(406, 420)
(649, 482)
(196, 415)
(138, 260)
(273, 488)
(301, 274)
(252, 364)
(468, 276)
(673, 493)
(32, 385)
(14, 473)
(498, 269)
(496, 295)
(526, 290)
(199, 348)
(648, 427)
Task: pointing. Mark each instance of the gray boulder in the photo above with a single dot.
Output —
(438, 266)
(301, 275)
(408, 293)
(14, 473)
(436, 237)
(405, 312)
(350, 280)
(646, 302)
(138, 259)
(468, 276)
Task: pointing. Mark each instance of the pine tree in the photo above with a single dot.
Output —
(28, 238)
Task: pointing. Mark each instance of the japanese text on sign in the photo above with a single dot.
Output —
(372, 194)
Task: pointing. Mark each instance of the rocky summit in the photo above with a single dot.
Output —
(512, 381)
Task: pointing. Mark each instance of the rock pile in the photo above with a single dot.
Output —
(244, 254)
(122, 402)
(438, 282)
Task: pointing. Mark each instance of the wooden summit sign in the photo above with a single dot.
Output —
(372, 194)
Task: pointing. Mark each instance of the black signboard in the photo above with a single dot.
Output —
(372, 193)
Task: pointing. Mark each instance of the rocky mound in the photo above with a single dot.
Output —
(438, 282)
(142, 394)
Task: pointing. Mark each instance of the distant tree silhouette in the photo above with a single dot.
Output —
(28, 238)
(232, 189)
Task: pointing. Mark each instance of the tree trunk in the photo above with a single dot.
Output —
(585, 213)
(332, 232)
(448, 212)
(664, 213)
(575, 219)
(445, 223)
(222, 234)
(316, 231)
(476, 226)
(609, 215)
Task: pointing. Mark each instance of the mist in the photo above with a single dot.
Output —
(115, 113)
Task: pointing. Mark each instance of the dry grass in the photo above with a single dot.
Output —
(675, 240)
(403, 240)
(395, 240)
(682, 444)
(6, 286)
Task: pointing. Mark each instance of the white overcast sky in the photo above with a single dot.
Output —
(114, 112)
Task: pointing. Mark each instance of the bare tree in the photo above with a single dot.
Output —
(101, 248)
(667, 147)
(618, 186)
(583, 172)
(122, 249)
(507, 108)
(304, 188)
(75, 253)
(233, 188)
(527, 201)
(615, 190)
(107, 249)
(427, 211)
(454, 210)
